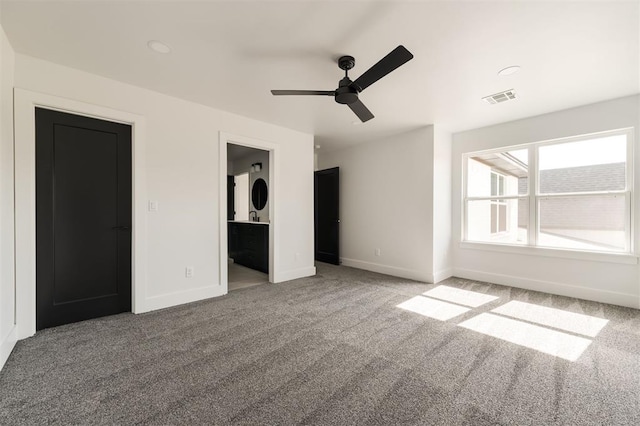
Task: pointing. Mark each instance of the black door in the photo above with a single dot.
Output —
(83, 218)
(327, 215)
(231, 204)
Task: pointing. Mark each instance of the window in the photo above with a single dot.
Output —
(572, 194)
(496, 197)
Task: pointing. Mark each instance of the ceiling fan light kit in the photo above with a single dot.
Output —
(348, 91)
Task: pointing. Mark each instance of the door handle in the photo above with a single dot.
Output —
(121, 228)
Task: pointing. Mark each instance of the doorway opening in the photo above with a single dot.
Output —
(327, 215)
(249, 221)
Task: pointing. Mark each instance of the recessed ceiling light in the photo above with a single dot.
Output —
(158, 46)
(509, 70)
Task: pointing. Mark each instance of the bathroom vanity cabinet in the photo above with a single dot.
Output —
(249, 244)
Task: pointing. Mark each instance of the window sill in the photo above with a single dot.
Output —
(624, 258)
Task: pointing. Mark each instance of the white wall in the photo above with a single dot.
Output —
(182, 175)
(7, 289)
(442, 266)
(606, 278)
(387, 197)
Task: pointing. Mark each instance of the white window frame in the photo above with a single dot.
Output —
(534, 196)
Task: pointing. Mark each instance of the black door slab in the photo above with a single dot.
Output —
(83, 218)
(327, 215)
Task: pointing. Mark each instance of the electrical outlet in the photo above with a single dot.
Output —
(377, 252)
(298, 256)
(188, 272)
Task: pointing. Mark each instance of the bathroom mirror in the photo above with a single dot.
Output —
(259, 194)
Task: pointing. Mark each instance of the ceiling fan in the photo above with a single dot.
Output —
(348, 91)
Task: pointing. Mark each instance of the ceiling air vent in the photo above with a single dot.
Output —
(496, 98)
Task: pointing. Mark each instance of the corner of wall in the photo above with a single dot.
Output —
(442, 204)
(7, 254)
(6, 346)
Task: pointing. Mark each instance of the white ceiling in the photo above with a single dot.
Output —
(230, 54)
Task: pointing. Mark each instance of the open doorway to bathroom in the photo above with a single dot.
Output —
(248, 220)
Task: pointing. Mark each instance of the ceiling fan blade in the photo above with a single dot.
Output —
(303, 92)
(398, 56)
(361, 111)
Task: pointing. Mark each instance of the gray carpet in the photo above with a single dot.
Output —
(331, 349)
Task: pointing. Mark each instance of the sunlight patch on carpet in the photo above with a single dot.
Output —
(460, 296)
(552, 342)
(552, 317)
(432, 308)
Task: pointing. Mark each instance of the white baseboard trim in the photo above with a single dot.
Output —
(388, 270)
(561, 289)
(6, 346)
(294, 274)
(181, 297)
(442, 275)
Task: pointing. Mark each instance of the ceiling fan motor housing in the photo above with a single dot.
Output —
(346, 93)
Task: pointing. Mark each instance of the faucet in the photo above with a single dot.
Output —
(255, 217)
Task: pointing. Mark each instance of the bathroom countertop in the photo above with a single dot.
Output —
(248, 221)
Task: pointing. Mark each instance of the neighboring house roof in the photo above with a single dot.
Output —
(601, 177)
(588, 213)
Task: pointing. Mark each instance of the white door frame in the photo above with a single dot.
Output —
(25, 103)
(224, 139)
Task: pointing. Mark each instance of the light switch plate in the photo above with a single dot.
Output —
(153, 206)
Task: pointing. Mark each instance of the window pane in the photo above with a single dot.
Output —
(523, 186)
(500, 221)
(587, 223)
(494, 218)
(494, 184)
(498, 173)
(502, 217)
(584, 166)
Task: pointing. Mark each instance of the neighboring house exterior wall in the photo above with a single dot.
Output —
(580, 212)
